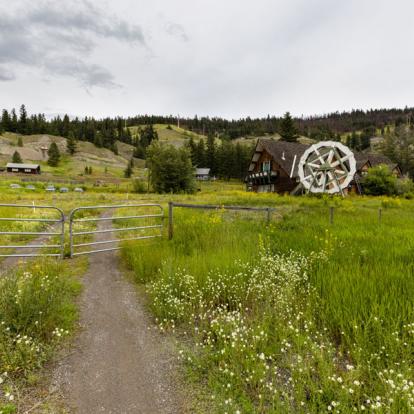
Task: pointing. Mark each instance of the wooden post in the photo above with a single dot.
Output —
(379, 215)
(170, 220)
(331, 215)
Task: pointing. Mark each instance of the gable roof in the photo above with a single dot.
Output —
(19, 165)
(283, 153)
(202, 171)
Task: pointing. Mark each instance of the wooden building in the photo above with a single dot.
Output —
(274, 166)
(202, 174)
(23, 168)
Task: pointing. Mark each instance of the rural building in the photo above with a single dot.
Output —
(23, 168)
(274, 166)
(202, 174)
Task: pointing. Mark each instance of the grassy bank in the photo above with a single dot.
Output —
(297, 317)
(37, 311)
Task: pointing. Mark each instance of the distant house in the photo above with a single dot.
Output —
(202, 174)
(274, 166)
(23, 168)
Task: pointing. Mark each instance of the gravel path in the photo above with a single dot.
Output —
(119, 365)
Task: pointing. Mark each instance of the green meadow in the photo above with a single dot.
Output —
(299, 315)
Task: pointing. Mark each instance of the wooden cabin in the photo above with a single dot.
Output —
(274, 166)
(202, 174)
(23, 168)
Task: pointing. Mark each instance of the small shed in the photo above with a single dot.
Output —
(23, 168)
(202, 174)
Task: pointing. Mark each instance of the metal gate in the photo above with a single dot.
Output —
(73, 221)
(38, 236)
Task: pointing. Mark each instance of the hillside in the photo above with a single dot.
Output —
(170, 134)
(104, 163)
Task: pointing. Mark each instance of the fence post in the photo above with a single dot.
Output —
(331, 215)
(379, 215)
(170, 220)
(268, 215)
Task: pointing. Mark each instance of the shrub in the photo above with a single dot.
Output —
(170, 168)
(380, 181)
(139, 186)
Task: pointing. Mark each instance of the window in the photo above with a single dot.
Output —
(266, 166)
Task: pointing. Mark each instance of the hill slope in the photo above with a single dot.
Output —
(103, 161)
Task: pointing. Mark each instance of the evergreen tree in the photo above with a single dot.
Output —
(71, 143)
(200, 154)
(65, 126)
(210, 157)
(54, 155)
(148, 135)
(129, 169)
(20, 142)
(17, 159)
(13, 122)
(288, 131)
(5, 121)
(170, 168)
(22, 124)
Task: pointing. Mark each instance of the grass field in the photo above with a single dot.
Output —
(298, 316)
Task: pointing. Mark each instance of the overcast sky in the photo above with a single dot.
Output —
(207, 57)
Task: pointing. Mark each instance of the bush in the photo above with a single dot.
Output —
(404, 186)
(139, 187)
(170, 169)
(380, 181)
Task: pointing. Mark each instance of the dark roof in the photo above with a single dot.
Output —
(361, 159)
(377, 159)
(21, 165)
(284, 153)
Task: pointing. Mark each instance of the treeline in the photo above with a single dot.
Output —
(225, 159)
(104, 132)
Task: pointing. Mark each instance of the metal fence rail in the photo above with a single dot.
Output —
(73, 220)
(171, 205)
(60, 222)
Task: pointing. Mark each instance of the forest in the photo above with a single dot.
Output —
(104, 132)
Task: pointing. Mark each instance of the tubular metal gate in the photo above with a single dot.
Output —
(73, 220)
(38, 245)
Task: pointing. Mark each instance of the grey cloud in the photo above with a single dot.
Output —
(176, 30)
(89, 75)
(84, 17)
(49, 34)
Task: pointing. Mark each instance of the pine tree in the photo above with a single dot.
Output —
(17, 159)
(211, 154)
(5, 121)
(129, 168)
(71, 143)
(54, 155)
(22, 125)
(13, 122)
(20, 142)
(288, 131)
(65, 126)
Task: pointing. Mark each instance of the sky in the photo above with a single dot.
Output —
(222, 58)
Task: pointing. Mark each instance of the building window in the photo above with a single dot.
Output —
(266, 166)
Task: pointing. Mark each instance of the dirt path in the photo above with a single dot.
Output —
(118, 365)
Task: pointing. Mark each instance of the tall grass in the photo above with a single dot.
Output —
(36, 311)
(301, 316)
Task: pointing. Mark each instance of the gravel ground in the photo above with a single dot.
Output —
(119, 364)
